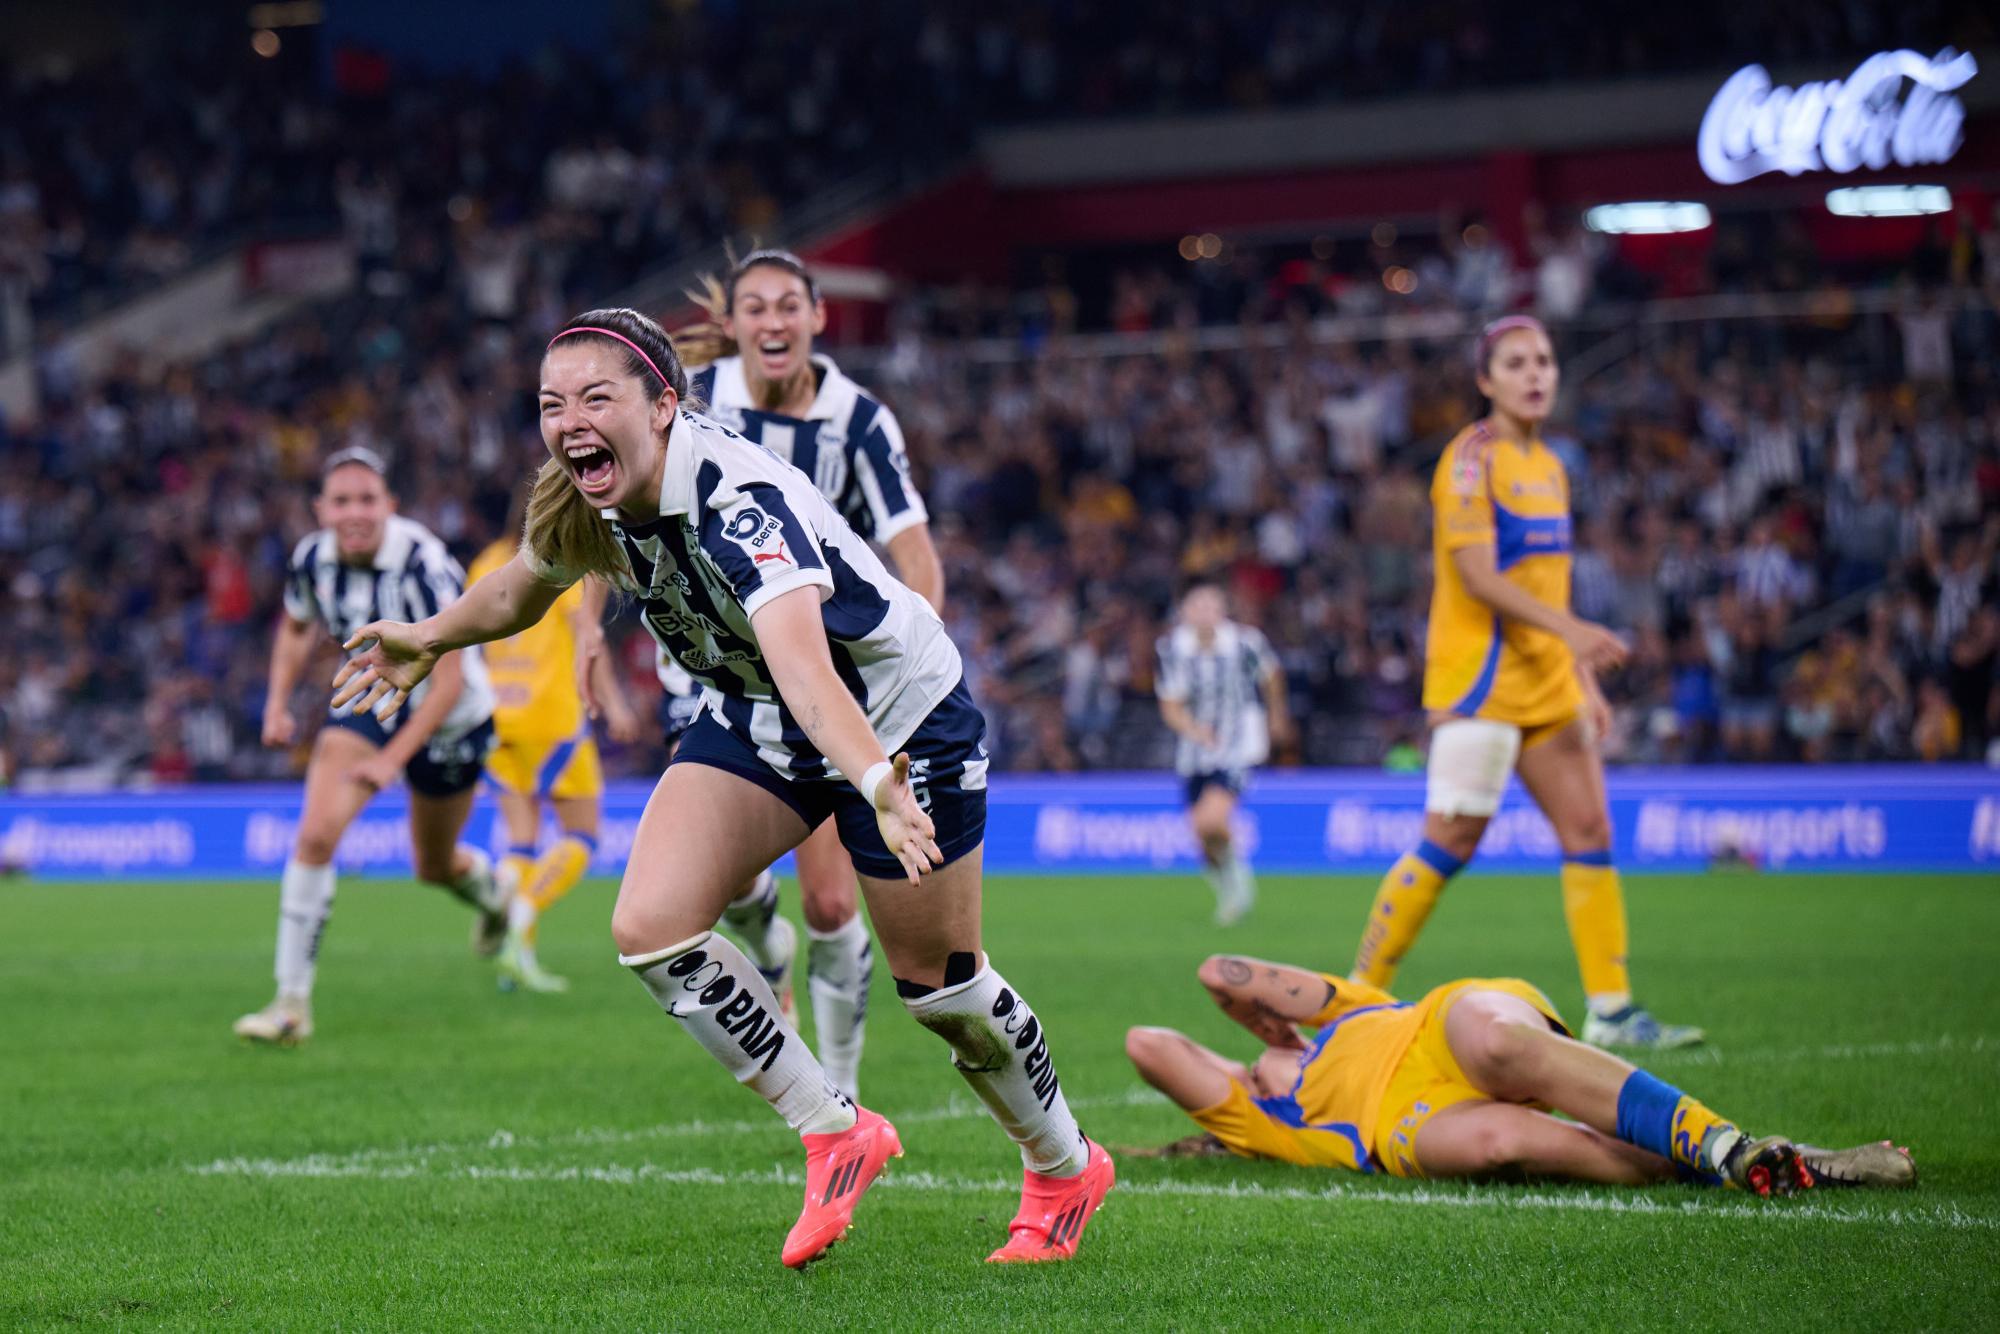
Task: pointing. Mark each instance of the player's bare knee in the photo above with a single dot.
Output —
(1587, 831)
(633, 933)
(827, 908)
(1504, 1050)
(1500, 1149)
(1145, 1047)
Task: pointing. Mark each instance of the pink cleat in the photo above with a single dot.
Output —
(1054, 1212)
(839, 1170)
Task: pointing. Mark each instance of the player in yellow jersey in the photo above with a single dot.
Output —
(545, 754)
(1458, 1084)
(1510, 684)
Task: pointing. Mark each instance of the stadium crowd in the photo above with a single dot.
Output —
(1795, 520)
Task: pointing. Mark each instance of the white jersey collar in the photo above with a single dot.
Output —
(834, 402)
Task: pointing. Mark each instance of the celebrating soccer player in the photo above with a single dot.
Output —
(774, 389)
(1510, 682)
(1223, 694)
(366, 561)
(817, 667)
(1459, 1084)
(546, 753)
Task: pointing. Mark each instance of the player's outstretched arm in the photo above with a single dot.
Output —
(1269, 999)
(393, 658)
(793, 638)
(291, 648)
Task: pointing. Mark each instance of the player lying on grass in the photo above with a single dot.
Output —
(1459, 1084)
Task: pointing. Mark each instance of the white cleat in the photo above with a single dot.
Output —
(1235, 902)
(1881, 1164)
(1634, 1026)
(285, 1022)
(520, 970)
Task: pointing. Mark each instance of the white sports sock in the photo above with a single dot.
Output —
(838, 965)
(725, 1005)
(305, 900)
(749, 919)
(1245, 878)
(998, 1045)
(479, 886)
(521, 913)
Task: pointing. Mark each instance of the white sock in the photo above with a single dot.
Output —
(1245, 878)
(521, 913)
(749, 919)
(1218, 880)
(998, 1045)
(305, 900)
(838, 965)
(479, 886)
(725, 1005)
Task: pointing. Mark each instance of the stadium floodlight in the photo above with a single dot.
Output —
(1651, 218)
(1888, 201)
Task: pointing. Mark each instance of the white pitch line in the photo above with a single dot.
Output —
(400, 1159)
(1501, 1198)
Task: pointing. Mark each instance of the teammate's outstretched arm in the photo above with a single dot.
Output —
(1269, 999)
(382, 675)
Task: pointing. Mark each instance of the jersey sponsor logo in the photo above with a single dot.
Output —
(761, 534)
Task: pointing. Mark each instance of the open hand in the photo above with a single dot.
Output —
(1596, 647)
(392, 662)
(907, 830)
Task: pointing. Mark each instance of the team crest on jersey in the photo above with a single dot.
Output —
(760, 534)
(1466, 467)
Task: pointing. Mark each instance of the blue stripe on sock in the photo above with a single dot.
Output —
(521, 850)
(1646, 1113)
(589, 841)
(1601, 857)
(1435, 857)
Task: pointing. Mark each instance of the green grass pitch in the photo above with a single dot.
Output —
(445, 1157)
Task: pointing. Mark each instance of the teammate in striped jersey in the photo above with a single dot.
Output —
(1223, 694)
(367, 562)
(816, 666)
(772, 388)
(1510, 681)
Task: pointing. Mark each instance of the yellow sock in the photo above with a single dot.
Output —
(1594, 904)
(1407, 895)
(556, 872)
(1693, 1119)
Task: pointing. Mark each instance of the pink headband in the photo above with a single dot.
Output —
(1493, 332)
(613, 333)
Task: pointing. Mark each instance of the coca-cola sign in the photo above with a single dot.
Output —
(1864, 120)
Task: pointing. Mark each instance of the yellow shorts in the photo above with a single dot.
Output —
(1540, 732)
(541, 767)
(1428, 1079)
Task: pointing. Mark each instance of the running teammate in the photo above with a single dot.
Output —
(1223, 694)
(1510, 683)
(546, 754)
(1459, 1084)
(816, 666)
(366, 561)
(774, 389)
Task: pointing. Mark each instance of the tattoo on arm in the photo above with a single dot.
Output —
(1235, 972)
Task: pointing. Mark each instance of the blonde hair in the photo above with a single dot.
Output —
(564, 532)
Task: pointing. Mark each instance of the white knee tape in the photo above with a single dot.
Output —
(1469, 764)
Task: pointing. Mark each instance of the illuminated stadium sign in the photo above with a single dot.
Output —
(1865, 120)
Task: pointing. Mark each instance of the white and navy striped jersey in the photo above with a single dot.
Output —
(1221, 684)
(848, 443)
(737, 527)
(411, 577)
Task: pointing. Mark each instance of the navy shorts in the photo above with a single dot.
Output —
(1229, 780)
(677, 713)
(947, 772)
(444, 767)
